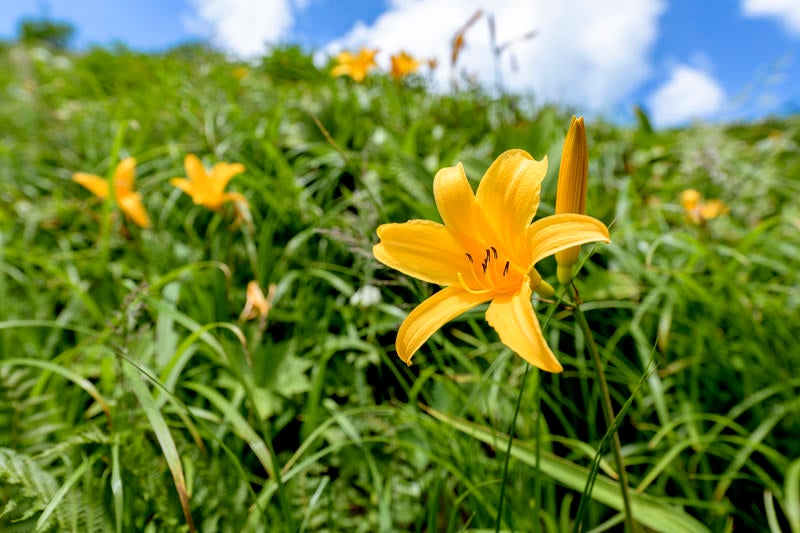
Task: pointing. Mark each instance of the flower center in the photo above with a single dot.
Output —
(489, 271)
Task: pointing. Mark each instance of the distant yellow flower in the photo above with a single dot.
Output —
(573, 178)
(485, 251)
(355, 66)
(699, 211)
(129, 201)
(208, 189)
(257, 305)
(402, 65)
(240, 72)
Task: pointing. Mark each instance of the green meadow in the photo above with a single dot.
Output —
(134, 397)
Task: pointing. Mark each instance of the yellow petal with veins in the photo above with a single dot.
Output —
(456, 202)
(420, 248)
(508, 195)
(431, 315)
(512, 316)
(552, 234)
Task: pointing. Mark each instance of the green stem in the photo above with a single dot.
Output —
(608, 410)
(508, 451)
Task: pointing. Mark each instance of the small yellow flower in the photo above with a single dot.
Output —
(699, 211)
(485, 251)
(208, 189)
(240, 72)
(129, 201)
(573, 177)
(257, 305)
(355, 66)
(402, 65)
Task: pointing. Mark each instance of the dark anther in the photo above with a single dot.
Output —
(494, 250)
(505, 269)
(487, 256)
(469, 257)
(483, 266)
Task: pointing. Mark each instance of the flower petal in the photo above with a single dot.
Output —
(222, 173)
(552, 234)
(195, 169)
(509, 195)
(431, 315)
(234, 197)
(420, 248)
(131, 205)
(512, 316)
(97, 185)
(456, 201)
(184, 185)
(124, 174)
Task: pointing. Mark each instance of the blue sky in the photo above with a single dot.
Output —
(681, 59)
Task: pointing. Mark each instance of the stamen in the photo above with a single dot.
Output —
(469, 257)
(494, 250)
(484, 265)
(487, 257)
(466, 288)
(505, 270)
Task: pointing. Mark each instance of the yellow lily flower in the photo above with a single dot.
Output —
(573, 178)
(402, 65)
(208, 189)
(355, 66)
(699, 211)
(484, 252)
(129, 201)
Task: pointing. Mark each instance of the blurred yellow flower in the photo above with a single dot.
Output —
(485, 251)
(402, 65)
(355, 66)
(699, 211)
(129, 201)
(257, 305)
(208, 189)
(573, 177)
(240, 72)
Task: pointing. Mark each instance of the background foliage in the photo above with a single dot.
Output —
(122, 358)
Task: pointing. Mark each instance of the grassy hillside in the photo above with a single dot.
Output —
(133, 395)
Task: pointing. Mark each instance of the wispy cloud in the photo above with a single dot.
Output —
(243, 27)
(689, 93)
(586, 53)
(787, 12)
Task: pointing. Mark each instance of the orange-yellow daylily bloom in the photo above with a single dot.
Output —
(355, 65)
(573, 178)
(403, 64)
(129, 201)
(484, 252)
(208, 188)
(699, 211)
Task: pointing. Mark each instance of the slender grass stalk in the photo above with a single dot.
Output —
(508, 451)
(111, 198)
(537, 472)
(608, 410)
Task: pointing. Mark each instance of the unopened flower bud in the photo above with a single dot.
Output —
(573, 176)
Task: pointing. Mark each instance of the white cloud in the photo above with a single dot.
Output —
(689, 93)
(787, 12)
(242, 27)
(587, 53)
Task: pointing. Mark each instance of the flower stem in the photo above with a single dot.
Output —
(608, 410)
(508, 452)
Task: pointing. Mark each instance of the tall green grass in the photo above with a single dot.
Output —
(132, 398)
